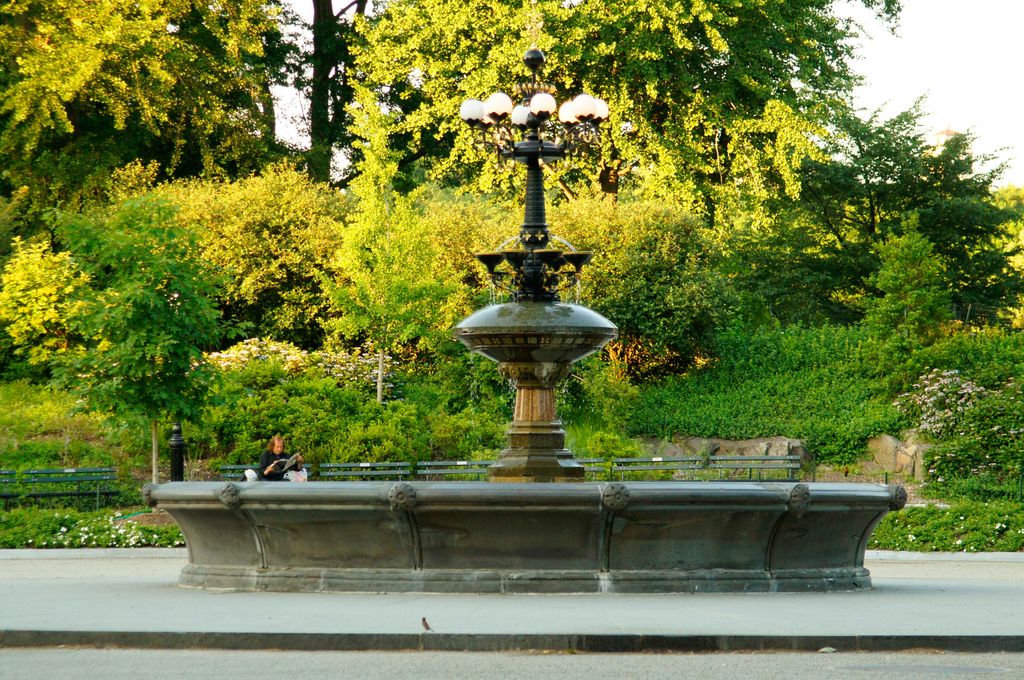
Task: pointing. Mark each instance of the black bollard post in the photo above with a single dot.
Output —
(177, 446)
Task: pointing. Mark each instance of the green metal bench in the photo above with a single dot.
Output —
(64, 483)
(337, 471)
(234, 473)
(446, 468)
(757, 468)
(7, 480)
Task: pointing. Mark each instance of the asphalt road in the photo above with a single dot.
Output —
(117, 664)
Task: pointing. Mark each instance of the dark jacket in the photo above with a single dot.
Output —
(268, 457)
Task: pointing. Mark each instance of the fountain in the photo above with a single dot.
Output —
(542, 529)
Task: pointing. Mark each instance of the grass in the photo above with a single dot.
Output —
(36, 430)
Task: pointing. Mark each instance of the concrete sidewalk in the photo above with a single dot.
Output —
(129, 598)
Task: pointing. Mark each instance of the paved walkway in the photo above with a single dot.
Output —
(129, 598)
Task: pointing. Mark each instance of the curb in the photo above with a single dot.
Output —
(911, 556)
(510, 642)
(92, 553)
(182, 553)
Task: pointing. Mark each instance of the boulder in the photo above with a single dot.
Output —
(884, 449)
(901, 457)
(702, 446)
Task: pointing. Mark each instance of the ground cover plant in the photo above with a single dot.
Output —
(805, 383)
(964, 526)
(64, 528)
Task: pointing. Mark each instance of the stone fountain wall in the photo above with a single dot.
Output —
(507, 538)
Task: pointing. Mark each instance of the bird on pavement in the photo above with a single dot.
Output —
(426, 626)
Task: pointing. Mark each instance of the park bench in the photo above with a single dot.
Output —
(336, 471)
(234, 473)
(445, 468)
(757, 468)
(7, 479)
(61, 483)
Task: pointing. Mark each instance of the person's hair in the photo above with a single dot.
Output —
(275, 438)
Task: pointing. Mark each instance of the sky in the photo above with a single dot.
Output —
(962, 55)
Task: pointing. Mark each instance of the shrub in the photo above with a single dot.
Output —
(43, 528)
(348, 367)
(962, 527)
(986, 440)
(939, 401)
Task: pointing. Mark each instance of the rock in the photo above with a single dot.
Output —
(701, 446)
(918, 452)
(884, 449)
(902, 457)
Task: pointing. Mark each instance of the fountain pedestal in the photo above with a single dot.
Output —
(536, 441)
(534, 343)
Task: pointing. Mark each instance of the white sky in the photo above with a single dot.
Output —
(963, 55)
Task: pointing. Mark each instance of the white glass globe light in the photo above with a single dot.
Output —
(542, 104)
(585, 107)
(498, 105)
(472, 111)
(566, 114)
(602, 110)
(520, 115)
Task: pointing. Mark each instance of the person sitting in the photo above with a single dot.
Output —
(275, 463)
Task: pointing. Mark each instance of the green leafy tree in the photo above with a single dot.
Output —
(389, 289)
(89, 85)
(703, 95)
(40, 291)
(274, 237)
(915, 300)
(654, 275)
(882, 176)
(143, 327)
(811, 260)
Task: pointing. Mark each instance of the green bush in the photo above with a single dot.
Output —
(980, 487)
(44, 528)
(990, 356)
(963, 527)
(987, 439)
(328, 422)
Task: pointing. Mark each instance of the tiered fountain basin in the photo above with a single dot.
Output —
(477, 537)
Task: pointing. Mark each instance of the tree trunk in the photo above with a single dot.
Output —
(380, 376)
(609, 175)
(266, 102)
(155, 435)
(319, 158)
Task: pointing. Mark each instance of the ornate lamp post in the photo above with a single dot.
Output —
(535, 337)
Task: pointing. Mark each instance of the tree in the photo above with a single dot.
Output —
(143, 327)
(274, 236)
(881, 176)
(388, 288)
(40, 291)
(915, 300)
(654, 275)
(703, 95)
(330, 84)
(87, 86)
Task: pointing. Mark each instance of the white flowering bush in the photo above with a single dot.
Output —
(355, 367)
(939, 400)
(984, 456)
(47, 528)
